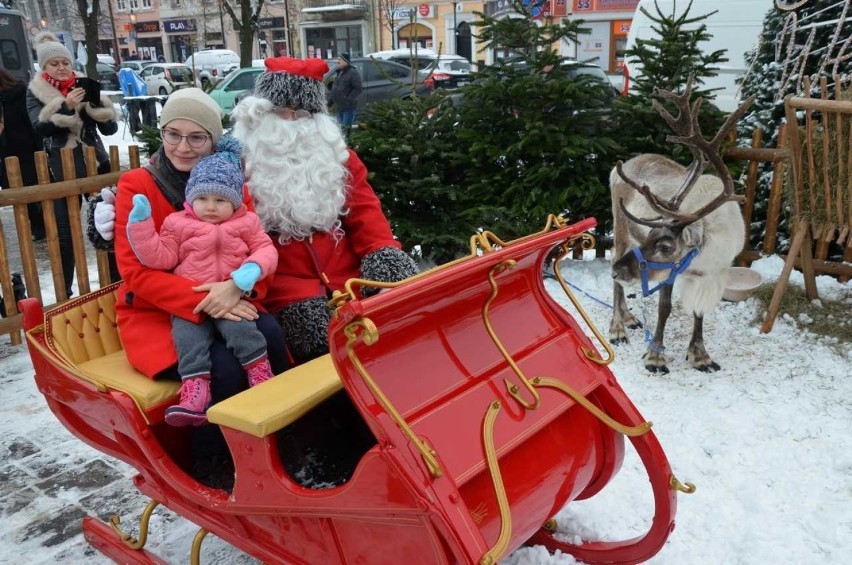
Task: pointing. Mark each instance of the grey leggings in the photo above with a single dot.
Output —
(193, 341)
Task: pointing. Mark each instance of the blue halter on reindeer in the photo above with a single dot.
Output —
(677, 267)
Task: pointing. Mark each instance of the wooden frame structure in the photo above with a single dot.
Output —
(822, 193)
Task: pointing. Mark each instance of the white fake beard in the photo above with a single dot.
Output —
(295, 169)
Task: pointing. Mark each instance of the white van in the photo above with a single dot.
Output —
(210, 66)
(736, 27)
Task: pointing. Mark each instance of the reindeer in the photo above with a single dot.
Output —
(675, 223)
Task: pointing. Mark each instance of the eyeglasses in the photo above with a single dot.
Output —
(195, 140)
(290, 113)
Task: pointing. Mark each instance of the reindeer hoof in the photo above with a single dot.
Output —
(655, 362)
(618, 340)
(710, 367)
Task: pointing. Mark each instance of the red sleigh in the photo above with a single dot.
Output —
(487, 410)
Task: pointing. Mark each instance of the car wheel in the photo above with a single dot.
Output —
(163, 91)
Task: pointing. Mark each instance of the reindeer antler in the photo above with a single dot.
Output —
(688, 132)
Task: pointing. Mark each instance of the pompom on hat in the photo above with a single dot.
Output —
(48, 47)
(218, 174)
(293, 83)
(195, 105)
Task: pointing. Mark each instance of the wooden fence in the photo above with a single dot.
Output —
(45, 192)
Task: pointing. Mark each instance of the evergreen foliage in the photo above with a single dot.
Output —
(521, 141)
(666, 61)
(410, 150)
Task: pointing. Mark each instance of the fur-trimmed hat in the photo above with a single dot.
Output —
(47, 47)
(219, 174)
(293, 83)
(195, 105)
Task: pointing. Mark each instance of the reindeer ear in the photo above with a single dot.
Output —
(693, 234)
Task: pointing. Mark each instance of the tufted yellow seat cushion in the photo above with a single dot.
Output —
(113, 371)
(85, 334)
(268, 407)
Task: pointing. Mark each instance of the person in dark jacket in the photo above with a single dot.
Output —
(61, 118)
(345, 92)
(17, 139)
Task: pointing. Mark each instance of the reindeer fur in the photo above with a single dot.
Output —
(720, 236)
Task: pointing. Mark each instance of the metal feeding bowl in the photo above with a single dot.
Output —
(741, 284)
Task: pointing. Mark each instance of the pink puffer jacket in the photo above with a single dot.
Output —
(201, 251)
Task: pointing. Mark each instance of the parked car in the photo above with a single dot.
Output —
(107, 75)
(136, 65)
(382, 80)
(226, 92)
(108, 59)
(164, 78)
(211, 66)
(575, 70)
(437, 71)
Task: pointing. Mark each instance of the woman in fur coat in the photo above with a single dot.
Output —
(62, 119)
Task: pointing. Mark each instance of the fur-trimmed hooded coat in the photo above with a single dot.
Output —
(57, 127)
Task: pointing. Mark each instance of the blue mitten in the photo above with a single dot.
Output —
(141, 209)
(246, 276)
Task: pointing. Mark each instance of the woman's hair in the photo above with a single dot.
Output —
(7, 81)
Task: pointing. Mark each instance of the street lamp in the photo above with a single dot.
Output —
(455, 30)
(114, 36)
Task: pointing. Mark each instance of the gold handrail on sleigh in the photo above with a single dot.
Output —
(480, 243)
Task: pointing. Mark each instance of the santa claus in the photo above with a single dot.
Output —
(312, 196)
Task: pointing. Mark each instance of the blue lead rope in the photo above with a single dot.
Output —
(676, 267)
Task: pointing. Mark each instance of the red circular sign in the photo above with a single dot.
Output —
(423, 9)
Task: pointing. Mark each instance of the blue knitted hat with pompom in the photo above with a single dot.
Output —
(219, 174)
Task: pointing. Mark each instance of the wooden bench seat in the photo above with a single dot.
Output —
(273, 405)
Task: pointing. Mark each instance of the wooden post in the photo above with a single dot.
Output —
(776, 190)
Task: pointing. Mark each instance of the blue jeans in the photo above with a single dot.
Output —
(347, 119)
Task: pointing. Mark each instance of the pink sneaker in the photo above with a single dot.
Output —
(194, 401)
(259, 372)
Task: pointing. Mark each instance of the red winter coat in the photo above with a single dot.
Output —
(148, 298)
(309, 268)
(201, 251)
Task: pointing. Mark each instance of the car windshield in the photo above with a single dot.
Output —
(459, 65)
(182, 74)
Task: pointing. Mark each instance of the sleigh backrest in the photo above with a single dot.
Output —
(84, 329)
(83, 334)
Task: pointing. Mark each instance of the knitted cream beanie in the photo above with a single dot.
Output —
(47, 47)
(195, 105)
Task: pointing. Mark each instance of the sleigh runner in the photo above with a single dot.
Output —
(480, 409)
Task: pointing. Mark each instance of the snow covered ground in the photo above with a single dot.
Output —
(767, 441)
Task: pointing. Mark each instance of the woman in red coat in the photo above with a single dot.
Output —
(148, 298)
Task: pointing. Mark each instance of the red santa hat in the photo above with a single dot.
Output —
(294, 83)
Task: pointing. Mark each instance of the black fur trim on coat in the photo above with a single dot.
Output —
(387, 264)
(305, 325)
(92, 234)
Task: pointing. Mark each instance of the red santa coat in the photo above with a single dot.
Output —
(310, 268)
(148, 298)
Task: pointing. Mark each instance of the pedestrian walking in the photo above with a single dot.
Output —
(345, 91)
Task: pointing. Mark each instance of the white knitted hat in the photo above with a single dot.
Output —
(47, 47)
